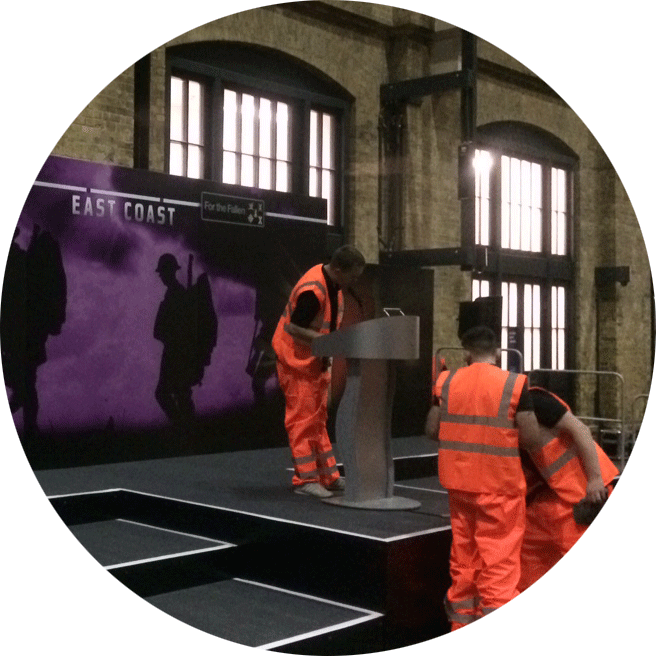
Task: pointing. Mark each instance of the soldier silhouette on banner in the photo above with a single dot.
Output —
(186, 324)
(34, 297)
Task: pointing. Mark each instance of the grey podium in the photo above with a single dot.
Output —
(363, 422)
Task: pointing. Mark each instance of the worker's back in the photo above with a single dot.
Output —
(478, 439)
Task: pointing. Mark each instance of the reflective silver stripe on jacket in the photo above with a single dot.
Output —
(299, 290)
(501, 420)
(477, 447)
(548, 471)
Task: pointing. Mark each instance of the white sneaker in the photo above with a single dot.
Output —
(338, 485)
(313, 490)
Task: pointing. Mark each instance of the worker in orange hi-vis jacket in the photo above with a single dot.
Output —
(480, 416)
(568, 477)
(315, 308)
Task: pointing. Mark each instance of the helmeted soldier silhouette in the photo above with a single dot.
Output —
(187, 327)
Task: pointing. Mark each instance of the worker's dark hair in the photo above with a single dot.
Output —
(346, 257)
(479, 340)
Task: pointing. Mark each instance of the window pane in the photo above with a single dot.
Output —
(282, 131)
(536, 192)
(326, 184)
(314, 138)
(314, 182)
(515, 180)
(528, 306)
(521, 205)
(535, 359)
(485, 223)
(525, 236)
(505, 202)
(229, 120)
(558, 212)
(194, 162)
(328, 194)
(536, 232)
(561, 190)
(515, 226)
(528, 348)
(247, 124)
(536, 208)
(247, 171)
(482, 164)
(561, 245)
(282, 176)
(176, 159)
(525, 183)
(176, 119)
(194, 115)
(327, 142)
(265, 128)
(512, 305)
(229, 168)
(536, 306)
(265, 181)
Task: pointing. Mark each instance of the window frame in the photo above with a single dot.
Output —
(301, 102)
(506, 265)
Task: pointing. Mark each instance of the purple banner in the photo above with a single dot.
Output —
(134, 309)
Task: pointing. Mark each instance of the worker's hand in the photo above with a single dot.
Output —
(596, 491)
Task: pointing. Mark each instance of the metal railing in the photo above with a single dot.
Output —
(606, 427)
(612, 429)
(635, 423)
(459, 348)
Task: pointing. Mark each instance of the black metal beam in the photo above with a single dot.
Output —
(484, 260)
(455, 256)
(406, 90)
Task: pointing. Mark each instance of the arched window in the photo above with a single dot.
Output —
(523, 223)
(254, 117)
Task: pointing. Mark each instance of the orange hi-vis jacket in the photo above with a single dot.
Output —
(291, 352)
(559, 465)
(478, 439)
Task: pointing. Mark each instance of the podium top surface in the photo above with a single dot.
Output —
(386, 338)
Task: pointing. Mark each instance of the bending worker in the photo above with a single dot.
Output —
(315, 308)
(568, 469)
(480, 416)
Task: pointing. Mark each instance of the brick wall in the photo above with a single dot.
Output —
(373, 44)
(104, 130)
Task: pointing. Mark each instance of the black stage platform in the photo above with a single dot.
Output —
(220, 542)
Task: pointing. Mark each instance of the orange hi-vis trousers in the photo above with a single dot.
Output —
(487, 530)
(550, 533)
(306, 412)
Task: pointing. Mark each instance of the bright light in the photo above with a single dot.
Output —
(482, 162)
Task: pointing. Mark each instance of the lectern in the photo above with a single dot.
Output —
(364, 416)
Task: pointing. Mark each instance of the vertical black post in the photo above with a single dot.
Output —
(468, 97)
(468, 137)
(141, 144)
